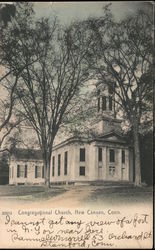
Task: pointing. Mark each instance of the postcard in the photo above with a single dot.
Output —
(76, 125)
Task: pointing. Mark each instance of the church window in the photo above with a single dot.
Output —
(20, 171)
(82, 171)
(104, 103)
(59, 164)
(99, 154)
(112, 155)
(25, 171)
(53, 165)
(82, 154)
(123, 156)
(110, 102)
(112, 170)
(65, 162)
(37, 171)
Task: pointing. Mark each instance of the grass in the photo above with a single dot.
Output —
(95, 194)
(30, 192)
(119, 195)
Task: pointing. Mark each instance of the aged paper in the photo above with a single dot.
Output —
(53, 226)
(96, 206)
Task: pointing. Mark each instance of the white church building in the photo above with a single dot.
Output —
(104, 157)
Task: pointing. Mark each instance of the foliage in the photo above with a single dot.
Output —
(4, 169)
(12, 35)
(50, 70)
(122, 55)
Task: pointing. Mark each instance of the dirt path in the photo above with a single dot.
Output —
(73, 197)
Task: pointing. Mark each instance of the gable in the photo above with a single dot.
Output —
(112, 137)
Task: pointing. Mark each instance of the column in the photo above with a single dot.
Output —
(74, 162)
(96, 163)
(119, 163)
(104, 163)
(127, 164)
(130, 164)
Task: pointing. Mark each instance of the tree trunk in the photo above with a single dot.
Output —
(47, 163)
(47, 154)
(47, 174)
(137, 154)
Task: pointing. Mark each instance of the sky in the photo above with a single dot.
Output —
(68, 11)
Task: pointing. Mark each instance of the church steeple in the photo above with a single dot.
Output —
(105, 99)
(106, 120)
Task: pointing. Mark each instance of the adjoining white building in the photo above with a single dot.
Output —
(104, 157)
(26, 167)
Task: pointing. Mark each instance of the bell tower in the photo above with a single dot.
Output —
(105, 99)
(106, 120)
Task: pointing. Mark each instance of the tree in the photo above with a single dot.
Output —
(123, 51)
(4, 169)
(47, 89)
(8, 80)
(17, 29)
(6, 12)
(80, 122)
(7, 100)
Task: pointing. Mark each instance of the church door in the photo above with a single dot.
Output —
(100, 173)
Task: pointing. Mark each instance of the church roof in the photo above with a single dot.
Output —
(112, 133)
(23, 153)
(70, 140)
(113, 136)
(33, 154)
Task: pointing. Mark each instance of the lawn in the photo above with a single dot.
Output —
(29, 192)
(87, 195)
(120, 195)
